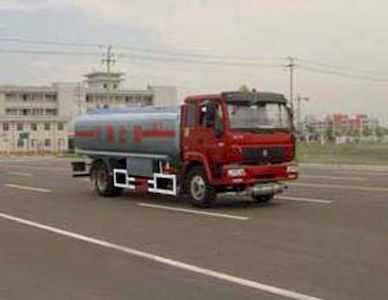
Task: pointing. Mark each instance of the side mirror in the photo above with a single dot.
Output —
(291, 114)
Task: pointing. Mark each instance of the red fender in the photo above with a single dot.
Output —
(190, 157)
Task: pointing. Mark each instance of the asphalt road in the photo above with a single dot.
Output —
(325, 238)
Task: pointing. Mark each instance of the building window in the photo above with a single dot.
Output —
(51, 98)
(9, 97)
(24, 97)
(61, 144)
(20, 143)
(47, 142)
(11, 111)
(47, 126)
(19, 127)
(5, 126)
(51, 111)
(34, 127)
(105, 86)
(60, 126)
(115, 86)
(37, 111)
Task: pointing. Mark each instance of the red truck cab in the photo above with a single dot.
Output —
(244, 142)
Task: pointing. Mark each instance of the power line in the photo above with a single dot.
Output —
(46, 52)
(135, 55)
(191, 54)
(343, 69)
(148, 54)
(130, 49)
(44, 42)
(344, 74)
(197, 61)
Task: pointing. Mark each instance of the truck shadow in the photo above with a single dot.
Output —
(232, 203)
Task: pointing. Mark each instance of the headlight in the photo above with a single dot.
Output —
(292, 169)
(236, 173)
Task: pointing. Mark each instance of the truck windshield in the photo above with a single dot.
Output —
(257, 117)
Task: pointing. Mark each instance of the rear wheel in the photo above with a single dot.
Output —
(198, 189)
(103, 181)
(262, 198)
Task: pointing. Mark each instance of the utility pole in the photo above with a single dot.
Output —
(299, 99)
(109, 59)
(291, 67)
(78, 89)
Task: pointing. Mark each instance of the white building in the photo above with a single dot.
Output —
(33, 134)
(41, 119)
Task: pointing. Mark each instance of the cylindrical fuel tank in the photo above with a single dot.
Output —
(144, 130)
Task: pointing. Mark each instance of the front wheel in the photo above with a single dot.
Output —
(262, 198)
(198, 189)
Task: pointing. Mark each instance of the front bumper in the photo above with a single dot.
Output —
(262, 189)
(254, 174)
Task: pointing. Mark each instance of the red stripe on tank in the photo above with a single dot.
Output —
(110, 133)
(88, 133)
(156, 131)
(159, 133)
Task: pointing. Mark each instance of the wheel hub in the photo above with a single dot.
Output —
(102, 180)
(197, 187)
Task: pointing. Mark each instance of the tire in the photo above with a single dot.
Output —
(198, 190)
(262, 198)
(103, 181)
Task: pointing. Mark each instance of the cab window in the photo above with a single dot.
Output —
(216, 121)
(191, 113)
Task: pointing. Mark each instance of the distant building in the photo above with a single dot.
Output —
(164, 95)
(41, 118)
(340, 127)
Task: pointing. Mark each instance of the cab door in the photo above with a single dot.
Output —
(204, 133)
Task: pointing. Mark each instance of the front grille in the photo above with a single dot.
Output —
(264, 155)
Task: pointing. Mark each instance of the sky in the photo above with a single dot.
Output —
(340, 46)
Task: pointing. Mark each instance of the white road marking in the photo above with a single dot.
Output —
(340, 186)
(29, 188)
(166, 261)
(38, 168)
(27, 159)
(193, 211)
(376, 168)
(20, 174)
(312, 200)
(332, 177)
(362, 173)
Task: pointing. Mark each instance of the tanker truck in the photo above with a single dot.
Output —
(240, 142)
